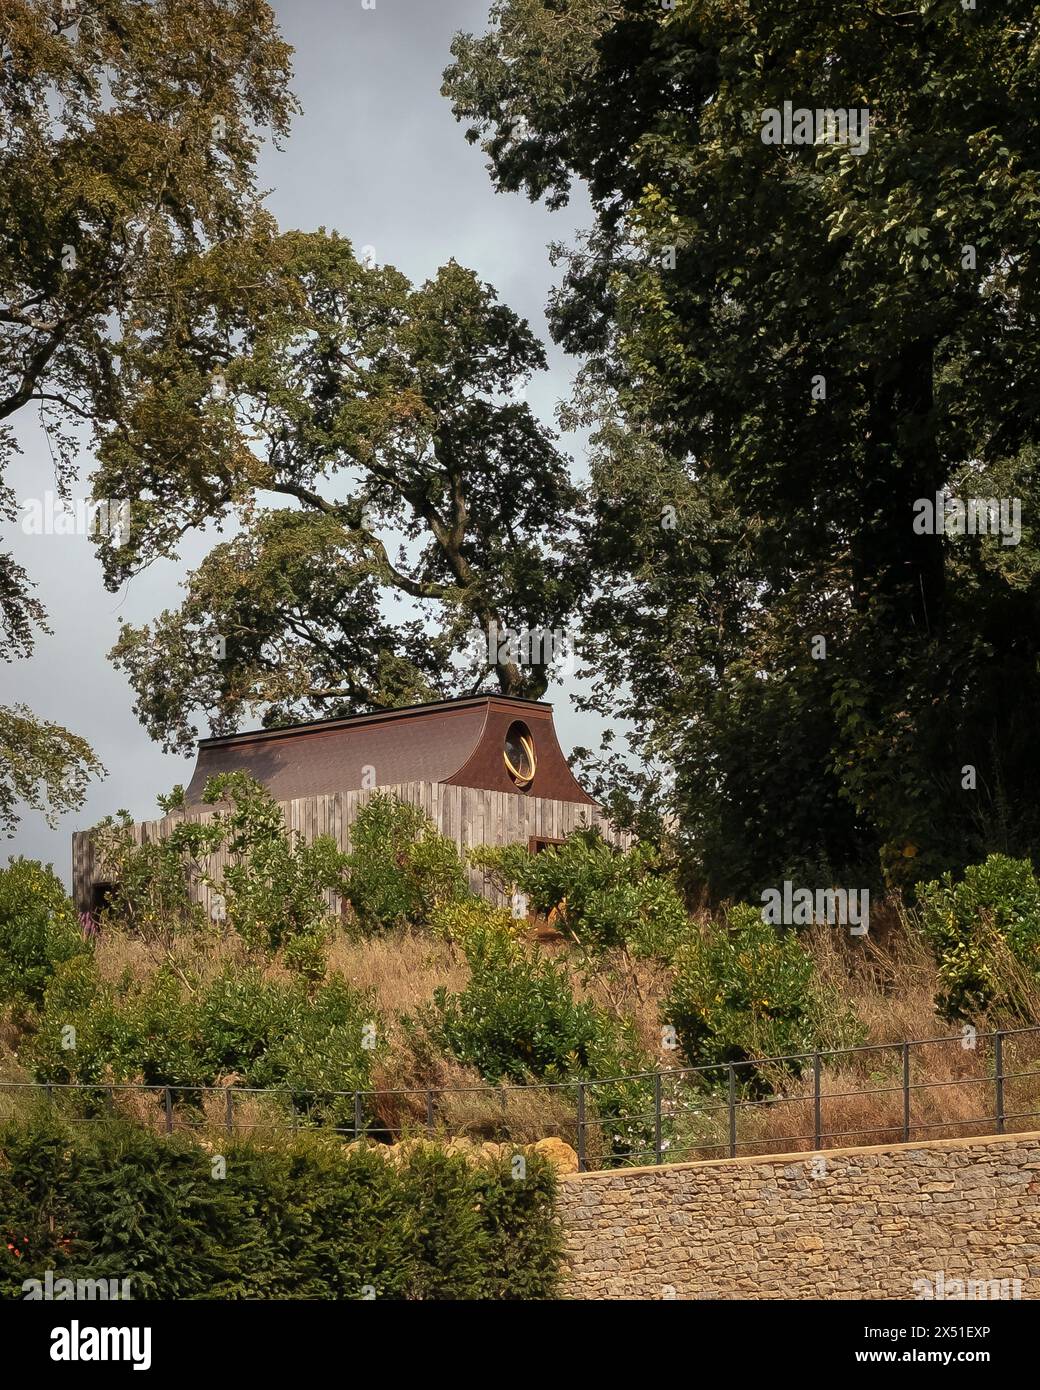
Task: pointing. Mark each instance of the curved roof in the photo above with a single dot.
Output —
(454, 741)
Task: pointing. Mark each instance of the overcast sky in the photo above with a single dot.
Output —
(377, 156)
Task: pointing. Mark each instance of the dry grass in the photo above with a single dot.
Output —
(402, 969)
(888, 978)
(11, 1032)
(952, 1095)
(207, 1115)
(463, 1105)
(627, 988)
(193, 959)
(891, 982)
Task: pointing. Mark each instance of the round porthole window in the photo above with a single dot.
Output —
(518, 754)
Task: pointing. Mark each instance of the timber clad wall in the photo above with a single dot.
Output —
(468, 815)
(876, 1221)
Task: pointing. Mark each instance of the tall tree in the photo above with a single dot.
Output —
(818, 335)
(128, 136)
(424, 515)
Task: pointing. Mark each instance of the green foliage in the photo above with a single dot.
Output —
(98, 231)
(979, 926)
(275, 881)
(238, 1025)
(458, 918)
(42, 765)
(396, 398)
(736, 512)
(517, 1017)
(597, 895)
(744, 989)
(294, 1217)
(521, 1228)
(38, 930)
(517, 1020)
(400, 869)
(154, 883)
(306, 956)
(273, 885)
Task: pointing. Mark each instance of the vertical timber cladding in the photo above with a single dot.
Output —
(468, 815)
(486, 769)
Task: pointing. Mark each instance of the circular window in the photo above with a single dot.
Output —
(518, 754)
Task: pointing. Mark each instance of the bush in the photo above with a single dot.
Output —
(521, 1241)
(977, 929)
(294, 1217)
(264, 1033)
(154, 883)
(274, 885)
(745, 989)
(400, 869)
(595, 894)
(517, 1019)
(39, 930)
(458, 921)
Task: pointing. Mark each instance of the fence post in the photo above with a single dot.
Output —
(357, 1115)
(657, 1117)
(906, 1093)
(230, 1103)
(998, 1072)
(732, 1111)
(817, 1116)
(581, 1127)
(429, 1113)
(169, 1110)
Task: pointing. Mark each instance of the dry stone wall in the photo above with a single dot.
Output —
(948, 1219)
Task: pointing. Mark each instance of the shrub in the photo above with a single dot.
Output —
(458, 920)
(977, 928)
(39, 930)
(154, 883)
(263, 1032)
(294, 1217)
(91, 1030)
(518, 1019)
(400, 869)
(520, 1233)
(597, 895)
(744, 989)
(274, 885)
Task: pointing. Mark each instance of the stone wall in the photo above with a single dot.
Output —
(850, 1223)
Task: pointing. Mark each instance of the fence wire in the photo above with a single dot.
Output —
(671, 1114)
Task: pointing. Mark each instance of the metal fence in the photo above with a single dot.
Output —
(663, 1116)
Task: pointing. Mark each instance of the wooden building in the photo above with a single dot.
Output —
(486, 769)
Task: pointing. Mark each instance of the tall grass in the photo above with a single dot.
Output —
(889, 978)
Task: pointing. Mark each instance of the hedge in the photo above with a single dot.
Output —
(295, 1217)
